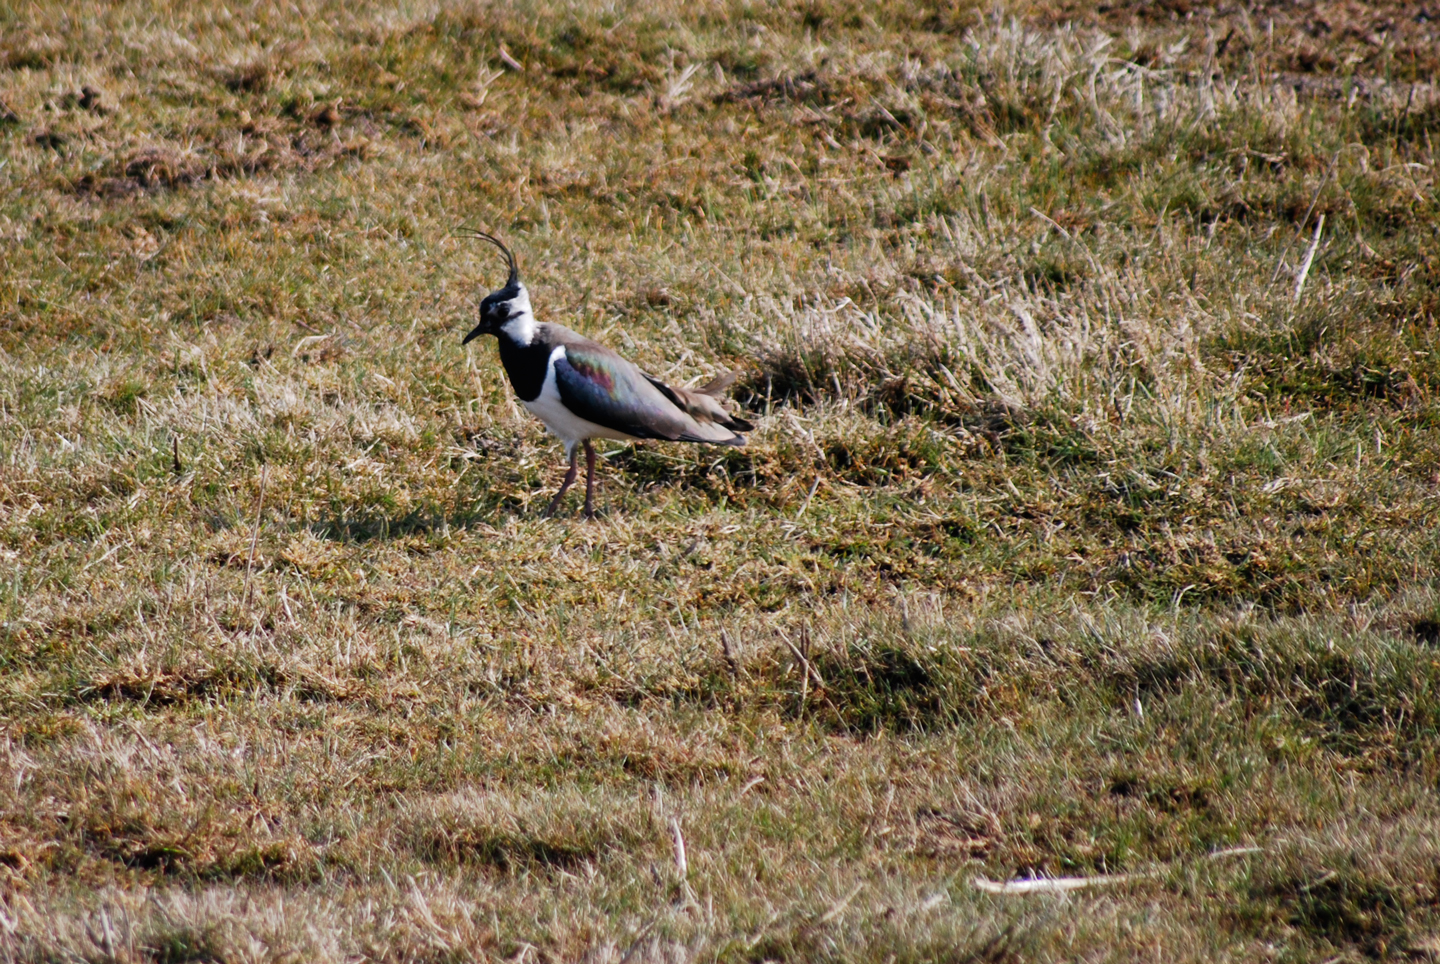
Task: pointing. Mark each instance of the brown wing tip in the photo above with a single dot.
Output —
(716, 386)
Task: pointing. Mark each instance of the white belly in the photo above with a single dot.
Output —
(570, 428)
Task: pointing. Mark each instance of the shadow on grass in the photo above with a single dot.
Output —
(505, 851)
(1348, 909)
(810, 941)
(198, 681)
(508, 834)
(370, 526)
(1355, 701)
(874, 683)
(712, 470)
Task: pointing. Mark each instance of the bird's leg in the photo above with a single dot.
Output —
(569, 480)
(589, 480)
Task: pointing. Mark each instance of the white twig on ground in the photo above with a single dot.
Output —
(1304, 271)
(813, 486)
(1235, 852)
(1048, 885)
(838, 908)
(510, 61)
(682, 866)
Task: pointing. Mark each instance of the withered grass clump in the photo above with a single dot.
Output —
(1088, 529)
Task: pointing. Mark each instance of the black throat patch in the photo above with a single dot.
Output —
(525, 364)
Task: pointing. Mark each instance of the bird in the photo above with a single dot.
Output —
(582, 390)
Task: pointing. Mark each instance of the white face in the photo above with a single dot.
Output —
(521, 325)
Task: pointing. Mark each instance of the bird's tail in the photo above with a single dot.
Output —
(703, 405)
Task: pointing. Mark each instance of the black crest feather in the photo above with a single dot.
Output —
(514, 278)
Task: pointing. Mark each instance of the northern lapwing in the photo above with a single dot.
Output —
(582, 390)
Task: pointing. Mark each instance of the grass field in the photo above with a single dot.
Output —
(1089, 528)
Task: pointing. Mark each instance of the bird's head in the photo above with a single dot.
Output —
(507, 309)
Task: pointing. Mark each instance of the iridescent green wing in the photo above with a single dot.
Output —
(601, 387)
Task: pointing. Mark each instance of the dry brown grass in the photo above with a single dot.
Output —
(1089, 527)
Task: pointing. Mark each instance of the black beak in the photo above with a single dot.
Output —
(476, 333)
